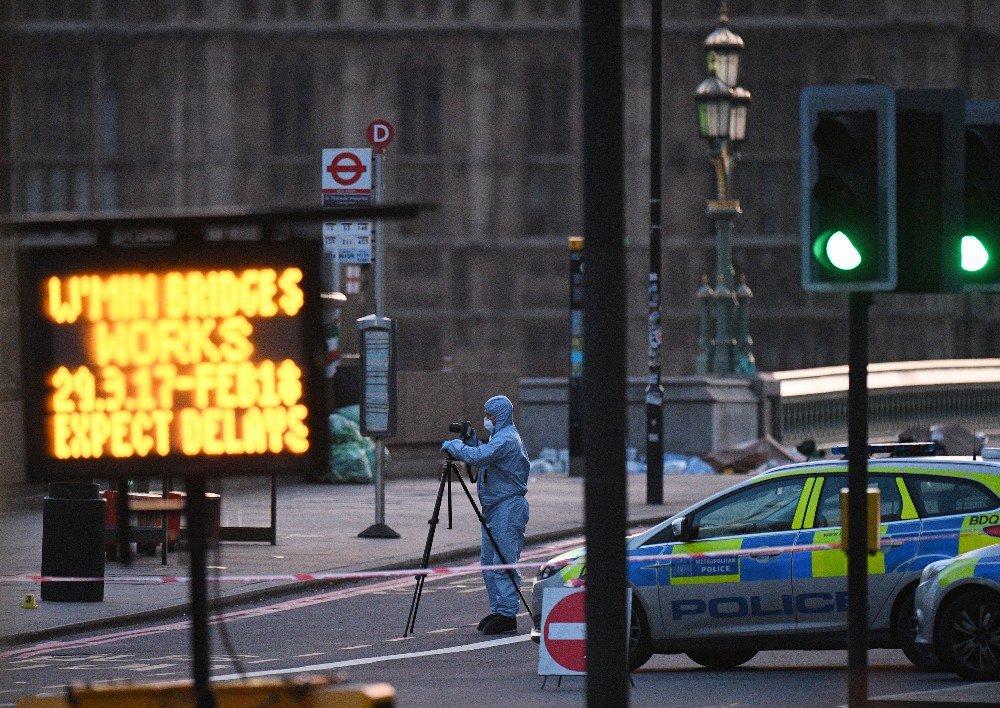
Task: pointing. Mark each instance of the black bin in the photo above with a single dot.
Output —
(73, 542)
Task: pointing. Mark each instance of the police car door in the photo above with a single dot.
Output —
(819, 577)
(708, 592)
(955, 512)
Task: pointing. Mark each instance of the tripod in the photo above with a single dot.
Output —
(449, 469)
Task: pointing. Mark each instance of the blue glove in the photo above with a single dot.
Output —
(451, 447)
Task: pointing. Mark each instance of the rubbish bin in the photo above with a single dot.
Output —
(73, 542)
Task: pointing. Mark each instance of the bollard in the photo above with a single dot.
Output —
(73, 542)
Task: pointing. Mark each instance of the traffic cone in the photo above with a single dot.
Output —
(30, 603)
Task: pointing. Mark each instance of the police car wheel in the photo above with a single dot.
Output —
(722, 659)
(920, 655)
(969, 635)
(640, 648)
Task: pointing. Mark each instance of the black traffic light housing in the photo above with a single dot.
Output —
(980, 249)
(882, 174)
(930, 163)
(848, 179)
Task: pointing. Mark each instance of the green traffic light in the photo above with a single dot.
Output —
(974, 254)
(838, 250)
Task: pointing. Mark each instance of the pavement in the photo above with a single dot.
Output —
(317, 532)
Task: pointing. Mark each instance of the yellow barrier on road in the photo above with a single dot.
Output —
(311, 692)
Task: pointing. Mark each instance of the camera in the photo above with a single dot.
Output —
(466, 432)
(463, 429)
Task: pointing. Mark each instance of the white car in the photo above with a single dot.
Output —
(958, 610)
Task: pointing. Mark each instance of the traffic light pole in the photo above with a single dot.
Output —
(654, 389)
(605, 509)
(857, 513)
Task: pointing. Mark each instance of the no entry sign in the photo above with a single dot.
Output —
(380, 133)
(347, 171)
(563, 649)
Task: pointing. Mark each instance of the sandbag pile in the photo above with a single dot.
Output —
(352, 455)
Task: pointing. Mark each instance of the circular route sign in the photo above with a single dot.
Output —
(346, 168)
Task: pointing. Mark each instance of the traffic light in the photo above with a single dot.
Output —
(979, 253)
(930, 159)
(848, 188)
(882, 172)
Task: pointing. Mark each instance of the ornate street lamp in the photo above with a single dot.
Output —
(722, 122)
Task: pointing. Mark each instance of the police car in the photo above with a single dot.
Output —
(958, 609)
(740, 585)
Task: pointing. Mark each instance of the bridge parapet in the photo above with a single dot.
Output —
(813, 402)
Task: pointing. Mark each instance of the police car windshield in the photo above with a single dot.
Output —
(768, 506)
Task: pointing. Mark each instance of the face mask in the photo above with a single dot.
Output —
(488, 424)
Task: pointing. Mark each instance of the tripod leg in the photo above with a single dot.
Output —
(496, 547)
(411, 618)
(426, 559)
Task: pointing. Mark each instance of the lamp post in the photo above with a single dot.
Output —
(722, 121)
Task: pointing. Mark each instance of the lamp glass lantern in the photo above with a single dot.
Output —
(714, 100)
(722, 52)
(739, 105)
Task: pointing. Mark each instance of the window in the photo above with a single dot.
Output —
(546, 202)
(54, 9)
(420, 106)
(828, 509)
(291, 108)
(56, 146)
(763, 507)
(549, 94)
(942, 496)
(420, 346)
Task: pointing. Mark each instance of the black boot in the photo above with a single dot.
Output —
(486, 620)
(501, 624)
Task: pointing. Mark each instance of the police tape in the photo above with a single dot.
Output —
(887, 541)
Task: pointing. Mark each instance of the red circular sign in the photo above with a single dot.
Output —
(380, 133)
(565, 637)
(346, 168)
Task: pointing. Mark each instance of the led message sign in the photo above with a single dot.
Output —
(172, 362)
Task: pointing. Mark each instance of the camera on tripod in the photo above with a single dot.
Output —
(466, 432)
(463, 429)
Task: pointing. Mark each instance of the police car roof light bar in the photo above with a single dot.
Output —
(898, 449)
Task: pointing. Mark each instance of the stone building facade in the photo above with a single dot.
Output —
(111, 104)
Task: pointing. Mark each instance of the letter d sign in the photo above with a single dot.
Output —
(380, 133)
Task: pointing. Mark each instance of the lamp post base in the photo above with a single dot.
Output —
(378, 531)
